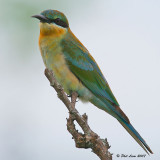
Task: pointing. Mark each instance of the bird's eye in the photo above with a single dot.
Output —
(57, 20)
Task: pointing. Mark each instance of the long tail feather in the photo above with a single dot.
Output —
(131, 130)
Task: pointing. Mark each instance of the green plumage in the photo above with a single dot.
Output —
(84, 67)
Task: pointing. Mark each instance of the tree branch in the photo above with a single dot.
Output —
(88, 139)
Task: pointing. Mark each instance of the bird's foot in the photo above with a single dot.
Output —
(69, 95)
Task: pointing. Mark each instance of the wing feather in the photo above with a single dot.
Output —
(84, 67)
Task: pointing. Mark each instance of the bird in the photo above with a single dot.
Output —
(76, 70)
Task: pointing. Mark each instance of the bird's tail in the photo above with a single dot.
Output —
(131, 130)
(124, 121)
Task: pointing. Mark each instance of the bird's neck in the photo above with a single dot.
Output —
(52, 30)
(50, 35)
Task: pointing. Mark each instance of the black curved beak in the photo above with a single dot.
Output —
(42, 18)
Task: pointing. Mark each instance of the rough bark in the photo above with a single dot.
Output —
(88, 139)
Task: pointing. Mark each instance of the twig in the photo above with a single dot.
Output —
(88, 139)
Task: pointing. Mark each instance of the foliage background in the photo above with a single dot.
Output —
(123, 36)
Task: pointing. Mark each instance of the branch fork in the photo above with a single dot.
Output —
(88, 139)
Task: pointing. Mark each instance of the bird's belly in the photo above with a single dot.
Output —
(66, 78)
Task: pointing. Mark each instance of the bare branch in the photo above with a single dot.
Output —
(88, 139)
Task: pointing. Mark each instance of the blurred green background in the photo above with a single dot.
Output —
(123, 37)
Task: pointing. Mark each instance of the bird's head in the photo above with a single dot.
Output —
(52, 22)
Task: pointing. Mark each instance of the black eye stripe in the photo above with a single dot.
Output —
(59, 22)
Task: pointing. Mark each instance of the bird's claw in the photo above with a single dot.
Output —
(68, 95)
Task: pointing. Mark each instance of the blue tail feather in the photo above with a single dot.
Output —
(132, 131)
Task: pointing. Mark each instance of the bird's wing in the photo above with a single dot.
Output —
(84, 67)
